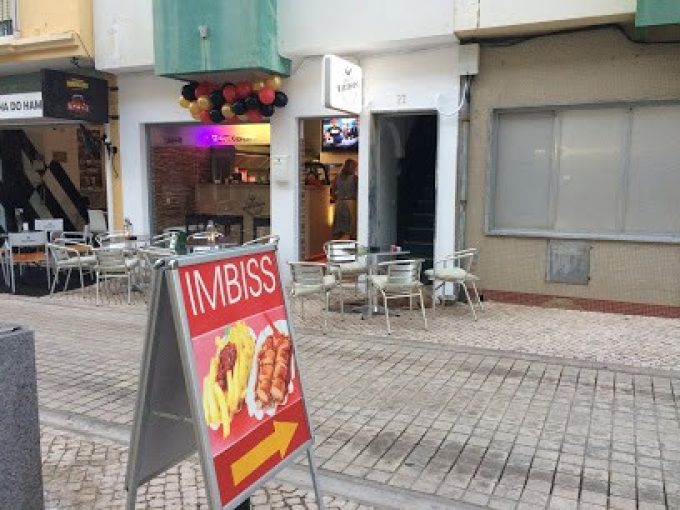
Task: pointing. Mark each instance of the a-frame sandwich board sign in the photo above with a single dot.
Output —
(220, 375)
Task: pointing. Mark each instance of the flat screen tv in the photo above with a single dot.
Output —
(340, 134)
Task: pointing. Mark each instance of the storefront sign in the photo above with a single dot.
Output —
(27, 105)
(210, 136)
(342, 85)
(75, 97)
(236, 353)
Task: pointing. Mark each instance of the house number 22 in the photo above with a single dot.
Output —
(401, 98)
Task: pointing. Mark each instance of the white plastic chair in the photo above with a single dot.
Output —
(66, 257)
(311, 278)
(113, 264)
(456, 269)
(401, 280)
(343, 260)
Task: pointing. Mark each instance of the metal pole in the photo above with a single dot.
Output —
(315, 481)
(131, 497)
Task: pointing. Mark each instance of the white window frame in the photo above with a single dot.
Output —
(491, 173)
(14, 16)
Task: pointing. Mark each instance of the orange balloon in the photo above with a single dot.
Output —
(274, 82)
(196, 116)
(258, 85)
(243, 118)
(183, 102)
(194, 108)
(204, 103)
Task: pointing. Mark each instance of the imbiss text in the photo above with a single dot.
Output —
(229, 283)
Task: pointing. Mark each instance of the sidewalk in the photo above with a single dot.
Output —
(452, 423)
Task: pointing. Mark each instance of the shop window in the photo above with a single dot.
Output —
(609, 172)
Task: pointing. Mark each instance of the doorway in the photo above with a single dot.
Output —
(325, 143)
(402, 189)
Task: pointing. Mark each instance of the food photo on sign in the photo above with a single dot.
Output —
(247, 375)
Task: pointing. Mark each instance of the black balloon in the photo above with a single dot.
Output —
(216, 116)
(189, 91)
(217, 99)
(239, 107)
(280, 99)
(267, 110)
(252, 102)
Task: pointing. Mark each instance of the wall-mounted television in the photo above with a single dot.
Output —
(340, 134)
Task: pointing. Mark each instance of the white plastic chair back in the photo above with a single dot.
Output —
(403, 273)
(307, 273)
(96, 221)
(341, 251)
(110, 261)
(49, 225)
(27, 239)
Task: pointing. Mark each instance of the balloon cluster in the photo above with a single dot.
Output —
(244, 101)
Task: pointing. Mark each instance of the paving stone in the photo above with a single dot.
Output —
(411, 413)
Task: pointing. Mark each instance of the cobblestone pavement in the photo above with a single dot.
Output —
(601, 337)
(81, 473)
(489, 428)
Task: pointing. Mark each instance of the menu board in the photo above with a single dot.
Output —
(219, 375)
(251, 399)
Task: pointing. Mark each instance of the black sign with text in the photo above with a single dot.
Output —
(75, 97)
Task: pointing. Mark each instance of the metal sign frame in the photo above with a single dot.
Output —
(166, 298)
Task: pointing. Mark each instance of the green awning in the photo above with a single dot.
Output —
(657, 12)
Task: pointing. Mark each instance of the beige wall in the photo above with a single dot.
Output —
(597, 66)
(503, 17)
(50, 30)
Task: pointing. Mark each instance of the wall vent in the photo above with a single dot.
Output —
(568, 262)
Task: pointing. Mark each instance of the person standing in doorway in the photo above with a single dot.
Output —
(344, 193)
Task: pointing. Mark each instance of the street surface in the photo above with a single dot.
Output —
(436, 417)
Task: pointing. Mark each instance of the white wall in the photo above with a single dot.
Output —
(123, 35)
(310, 27)
(144, 98)
(422, 80)
(493, 15)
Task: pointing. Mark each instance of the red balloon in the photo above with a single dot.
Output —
(229, 93)
(254, 116)
(205, 117)
(204, 88)
(243, 89)
(266, 95)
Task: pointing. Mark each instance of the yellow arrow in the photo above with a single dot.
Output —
(279, 440)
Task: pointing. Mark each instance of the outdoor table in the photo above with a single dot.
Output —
(370, 308)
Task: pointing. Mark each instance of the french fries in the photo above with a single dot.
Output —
(219, 406)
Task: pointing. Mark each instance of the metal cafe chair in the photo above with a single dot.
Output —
(456, 268)
(311, 278)
(113, 264)
(67, 257)
(343, 260)
(401, 280)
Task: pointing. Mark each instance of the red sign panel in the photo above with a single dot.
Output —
(245, 362)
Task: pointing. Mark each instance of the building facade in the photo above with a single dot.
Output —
(53, 114)
(412, 75)
(572, 157)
